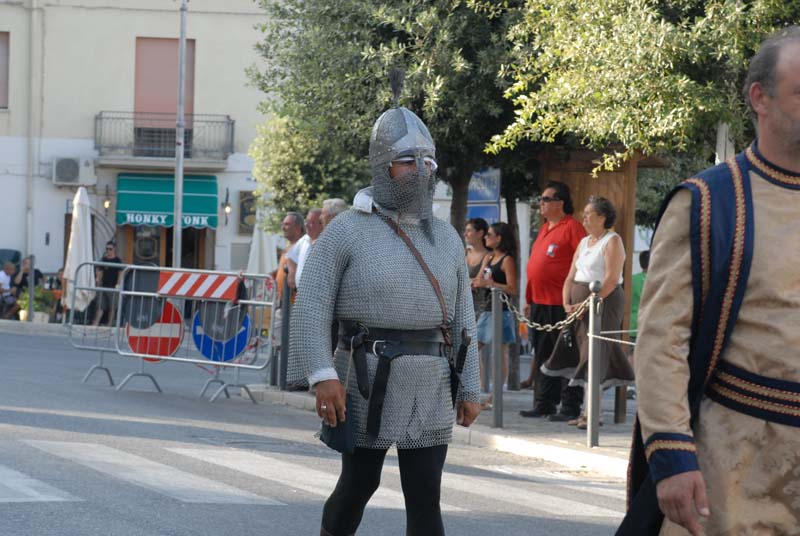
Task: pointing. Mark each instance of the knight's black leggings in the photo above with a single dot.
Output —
(420, 476)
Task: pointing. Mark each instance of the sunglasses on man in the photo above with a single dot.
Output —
(547, 199)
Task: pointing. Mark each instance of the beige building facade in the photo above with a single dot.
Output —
(88, 91)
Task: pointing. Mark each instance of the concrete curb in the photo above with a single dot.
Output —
(571, 456)
(13, 326)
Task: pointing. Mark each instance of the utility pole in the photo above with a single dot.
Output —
(180, 127)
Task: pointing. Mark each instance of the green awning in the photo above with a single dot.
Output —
(149, 200)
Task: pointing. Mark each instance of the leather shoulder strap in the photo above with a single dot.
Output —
(417, 255)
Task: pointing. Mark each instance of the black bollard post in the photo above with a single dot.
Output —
(594, 394)
(497, 359)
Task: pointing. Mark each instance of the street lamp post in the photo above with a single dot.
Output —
(180, 126)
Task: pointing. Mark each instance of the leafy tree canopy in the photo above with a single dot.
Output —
(646, 76)
(327, 81)
(286, 156)
(650, 76)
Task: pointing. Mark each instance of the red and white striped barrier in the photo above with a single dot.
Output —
(194, 285)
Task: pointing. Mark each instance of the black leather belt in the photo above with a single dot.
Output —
(423, 335)
(392, 347)
(386, 344)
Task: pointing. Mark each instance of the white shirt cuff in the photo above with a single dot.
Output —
(322, 375)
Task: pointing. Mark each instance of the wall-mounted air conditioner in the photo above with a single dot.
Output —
(74, 172)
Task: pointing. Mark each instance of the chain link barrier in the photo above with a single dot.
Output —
(558, 326)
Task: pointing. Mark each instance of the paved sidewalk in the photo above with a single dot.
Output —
(536, 438)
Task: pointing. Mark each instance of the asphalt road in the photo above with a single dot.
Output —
(83, 459)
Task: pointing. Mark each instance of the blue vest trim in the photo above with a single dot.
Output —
(729, 246)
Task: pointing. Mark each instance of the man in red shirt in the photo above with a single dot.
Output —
(548, 266)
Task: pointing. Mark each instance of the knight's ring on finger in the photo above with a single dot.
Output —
(324, 407)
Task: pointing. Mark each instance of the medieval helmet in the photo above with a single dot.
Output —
(400, 134)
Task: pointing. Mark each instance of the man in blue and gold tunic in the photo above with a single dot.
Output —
(717, 441)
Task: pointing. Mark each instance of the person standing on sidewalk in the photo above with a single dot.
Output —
(110, 277)
(475, 237)
(331, 208)
(717, 436)
(8, 294)
(298, 253)
(394, 276)
(498, 270)
(637, 285)
(549, 263)
(293, 229)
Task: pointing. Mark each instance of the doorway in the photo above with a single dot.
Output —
(192, 248)
(152, 245)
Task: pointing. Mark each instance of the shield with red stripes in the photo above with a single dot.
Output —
(161, 338)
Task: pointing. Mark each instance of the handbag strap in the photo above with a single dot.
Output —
(445, 325)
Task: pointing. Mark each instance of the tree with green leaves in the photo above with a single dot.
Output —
(646, 76)
(326, 78)
(296, 169)
(627, 77)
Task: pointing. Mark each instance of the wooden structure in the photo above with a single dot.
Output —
(574, 168)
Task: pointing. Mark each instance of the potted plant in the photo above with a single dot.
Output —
(42, 304)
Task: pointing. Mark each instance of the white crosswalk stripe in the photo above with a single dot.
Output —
(16, 487)
(158, 477)
(564, 481)
(290, 474)
(543, 503)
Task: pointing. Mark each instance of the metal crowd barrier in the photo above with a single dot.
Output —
(202, 317)
(81, 328)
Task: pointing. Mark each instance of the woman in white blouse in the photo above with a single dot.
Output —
(600, 257)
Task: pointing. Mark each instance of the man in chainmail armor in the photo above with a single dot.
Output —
(362, 274)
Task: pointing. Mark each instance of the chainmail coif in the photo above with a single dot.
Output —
(360, 270)
(410, 194)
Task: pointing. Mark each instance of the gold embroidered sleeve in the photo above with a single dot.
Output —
(665, 316)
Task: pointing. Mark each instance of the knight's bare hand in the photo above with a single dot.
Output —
(467, 412)
(331, 402)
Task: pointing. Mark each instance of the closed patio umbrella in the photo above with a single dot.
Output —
(263, 257)
(79, 252)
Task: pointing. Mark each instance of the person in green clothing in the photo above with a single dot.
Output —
(637, 284)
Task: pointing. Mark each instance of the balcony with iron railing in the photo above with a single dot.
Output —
(147, 140)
